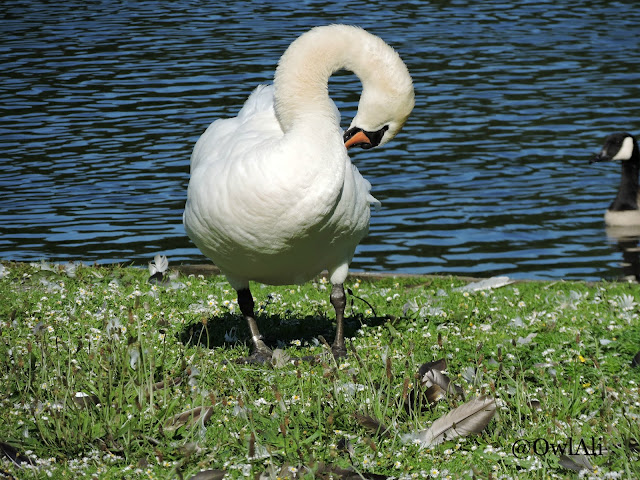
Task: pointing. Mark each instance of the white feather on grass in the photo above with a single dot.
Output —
(160, 264)
(486, 284)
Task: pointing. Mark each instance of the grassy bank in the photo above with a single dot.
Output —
(105, 374)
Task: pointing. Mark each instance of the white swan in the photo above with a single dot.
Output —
(623, 211)
(273, 196)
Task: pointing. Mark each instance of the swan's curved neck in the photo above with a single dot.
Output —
(302, 76)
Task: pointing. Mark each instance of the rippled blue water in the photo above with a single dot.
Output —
(103, 101)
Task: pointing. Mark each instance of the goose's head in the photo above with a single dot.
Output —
(385, 104)
(617, 146)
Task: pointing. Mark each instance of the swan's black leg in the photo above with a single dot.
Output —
(339, 301)
(260, 353)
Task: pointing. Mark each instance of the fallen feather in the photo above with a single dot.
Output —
(471, 417)
(160, 264)
(527, 339)
(486, 284)
(189, 418)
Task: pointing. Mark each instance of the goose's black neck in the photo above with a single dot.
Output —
(627, 198)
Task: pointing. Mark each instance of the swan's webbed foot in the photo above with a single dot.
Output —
(258, 357)
(260, 353)
(338, 351)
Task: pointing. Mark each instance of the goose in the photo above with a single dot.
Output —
(623, 147)
(273, 196)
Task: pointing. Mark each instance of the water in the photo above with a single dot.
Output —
(103, 101)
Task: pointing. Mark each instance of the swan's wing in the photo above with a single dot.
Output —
(255, 122)
(260, 100)
(363, 186)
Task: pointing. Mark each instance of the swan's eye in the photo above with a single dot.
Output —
(376, 137)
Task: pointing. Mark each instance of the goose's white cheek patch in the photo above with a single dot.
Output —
(625, 151)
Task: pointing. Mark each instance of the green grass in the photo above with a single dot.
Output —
(108, 333)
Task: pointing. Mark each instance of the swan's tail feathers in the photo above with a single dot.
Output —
(374, 201)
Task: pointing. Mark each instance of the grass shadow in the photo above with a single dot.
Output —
(277, 330)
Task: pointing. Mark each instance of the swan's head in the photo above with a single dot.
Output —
(387, 89)
(617, 146)
(386, 101)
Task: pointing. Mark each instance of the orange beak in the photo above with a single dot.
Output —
(359, 137)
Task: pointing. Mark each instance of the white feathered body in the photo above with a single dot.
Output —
(273, 196)
(275, 208)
